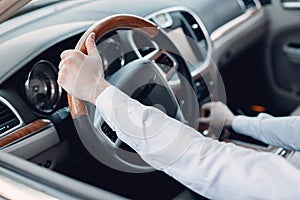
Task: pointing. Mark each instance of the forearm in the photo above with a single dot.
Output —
(277, 131)
(141, 127)
(213, 169)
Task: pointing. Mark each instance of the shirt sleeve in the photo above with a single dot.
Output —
(211, 168)
(277, 131)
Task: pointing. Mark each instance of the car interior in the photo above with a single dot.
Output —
(245, 53)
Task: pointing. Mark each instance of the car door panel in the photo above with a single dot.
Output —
(283, 55)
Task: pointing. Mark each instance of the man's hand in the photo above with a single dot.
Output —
(221, 114)
(82, 75)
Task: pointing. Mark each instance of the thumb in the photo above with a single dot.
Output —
(90, 45)
(205, 108)
(204, 120)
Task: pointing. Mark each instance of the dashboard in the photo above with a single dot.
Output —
(28, 81)
(35, 122)
(32, 74)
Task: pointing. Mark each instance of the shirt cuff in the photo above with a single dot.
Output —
(106, 92)
(243, 124)
(250, 126)
(104, 102)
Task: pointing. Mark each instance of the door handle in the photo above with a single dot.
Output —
(292, 51)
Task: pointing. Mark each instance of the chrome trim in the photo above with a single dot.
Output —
(168, 20)
(9, 105)
(290, 155)
(242, 4)
(203, 65)
(258, 4)
(281, 152)
(53, 92)
(37, 132)
(291, 5)
(155, 55)
(226, 28)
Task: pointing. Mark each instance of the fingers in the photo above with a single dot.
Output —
(204, 120)
(68, 65)
(69, 57)
(76, 68)
(206, 111)
(65, 70)
(60, 77)
(203, 113)
(66, 54)
(205, 108)
(90, 45)
(72, 53)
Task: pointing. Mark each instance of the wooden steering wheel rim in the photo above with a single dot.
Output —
(101, 28)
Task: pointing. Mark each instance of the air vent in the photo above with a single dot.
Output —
(194, 25)
(248, 4)
(109, 132)
(8, 119)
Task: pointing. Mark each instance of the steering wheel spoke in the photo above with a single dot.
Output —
(167, 64)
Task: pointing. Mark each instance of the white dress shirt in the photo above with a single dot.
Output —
(211, 168)
(277, 131)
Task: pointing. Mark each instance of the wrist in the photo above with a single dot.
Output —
(229, 121)
(101, 86)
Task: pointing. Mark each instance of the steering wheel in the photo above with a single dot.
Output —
(150, 74)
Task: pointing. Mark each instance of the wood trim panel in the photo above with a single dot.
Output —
(24, 131)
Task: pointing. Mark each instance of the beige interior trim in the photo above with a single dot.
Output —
(11, 189)
(231, 25)
(8, 7)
